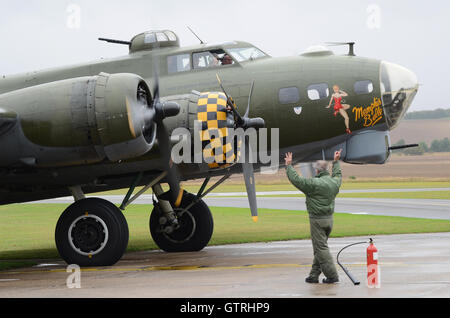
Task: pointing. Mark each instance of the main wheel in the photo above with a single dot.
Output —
(194, 232)
(92, 232)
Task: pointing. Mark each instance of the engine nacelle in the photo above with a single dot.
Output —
(104, 116)
(122, 104)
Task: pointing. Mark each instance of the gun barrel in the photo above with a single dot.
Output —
(115, 41)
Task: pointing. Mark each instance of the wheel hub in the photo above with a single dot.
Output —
(88, 235)
(185, 229)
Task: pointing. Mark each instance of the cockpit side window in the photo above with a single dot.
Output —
(179, 63)
(246, 54)
(215, 58)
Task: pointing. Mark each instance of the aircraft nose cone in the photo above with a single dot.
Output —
(395, 77)
(399, 86)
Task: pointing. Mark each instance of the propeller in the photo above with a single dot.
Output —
(163, 110)
(242, 122)
(245, 123)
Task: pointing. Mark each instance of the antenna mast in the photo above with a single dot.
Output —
(201, 41)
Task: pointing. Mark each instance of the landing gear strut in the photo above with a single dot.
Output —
(192, 232)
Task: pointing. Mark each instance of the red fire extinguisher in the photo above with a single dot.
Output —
(373, 269)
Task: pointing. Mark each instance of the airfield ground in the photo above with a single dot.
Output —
(33, 237)
(411, 266)
(26, 239)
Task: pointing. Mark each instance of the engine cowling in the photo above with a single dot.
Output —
(105, 116)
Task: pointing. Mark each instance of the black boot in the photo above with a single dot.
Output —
(330, 280)
(312, 280)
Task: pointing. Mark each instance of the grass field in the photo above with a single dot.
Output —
(27, 231)
(432, 195)
(348, 185)
(427, 130)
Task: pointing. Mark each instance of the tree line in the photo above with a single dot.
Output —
(428, 114)
(436, 146)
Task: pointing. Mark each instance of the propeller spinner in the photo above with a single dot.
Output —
(245, 123)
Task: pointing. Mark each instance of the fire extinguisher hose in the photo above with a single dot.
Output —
(354, 280)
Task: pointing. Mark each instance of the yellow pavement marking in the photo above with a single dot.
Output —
(188, 268)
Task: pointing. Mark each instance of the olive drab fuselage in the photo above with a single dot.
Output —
(306, 126)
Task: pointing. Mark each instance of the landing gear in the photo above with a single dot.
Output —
(92, 232)
(192, 232)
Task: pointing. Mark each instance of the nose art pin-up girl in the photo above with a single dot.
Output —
(340, 108)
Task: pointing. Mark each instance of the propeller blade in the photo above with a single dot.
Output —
(162, 111)
(149, 115)
(307, 170)
(173, 176)
(251, 189)
(156, 77)
(221, 86)
(240, 121)
(249, 100)
(249, 177)
(156, 89)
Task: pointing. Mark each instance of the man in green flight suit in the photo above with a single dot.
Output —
(321, 193)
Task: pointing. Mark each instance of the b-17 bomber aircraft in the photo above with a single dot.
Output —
(112, 124)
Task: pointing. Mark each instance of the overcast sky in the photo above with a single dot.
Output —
(47, 33)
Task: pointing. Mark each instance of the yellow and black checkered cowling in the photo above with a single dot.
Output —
(212, 113)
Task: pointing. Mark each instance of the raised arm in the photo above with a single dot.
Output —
(303, 184)
(337, 172)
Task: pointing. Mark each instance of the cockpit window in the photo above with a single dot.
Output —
(161, 37)
(150, 38)
(214, 58)
(171, 35)
(204, 59)
(179, 63)
(246, 54)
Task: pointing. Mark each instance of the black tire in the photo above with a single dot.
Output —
(195, 232)
(88, 232)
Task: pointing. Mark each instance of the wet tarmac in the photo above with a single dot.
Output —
(411, 266)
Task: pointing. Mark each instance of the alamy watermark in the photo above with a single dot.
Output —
(74, 279)
(73, 20)
(373, 17)
(248, 146)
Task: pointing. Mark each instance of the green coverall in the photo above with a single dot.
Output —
(321, 193)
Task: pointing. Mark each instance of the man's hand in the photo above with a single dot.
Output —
(337, 155)
(288, 159)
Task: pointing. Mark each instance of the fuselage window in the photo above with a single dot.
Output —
(318, 91)
(289, 95)
(178, 63)
(363, 87)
